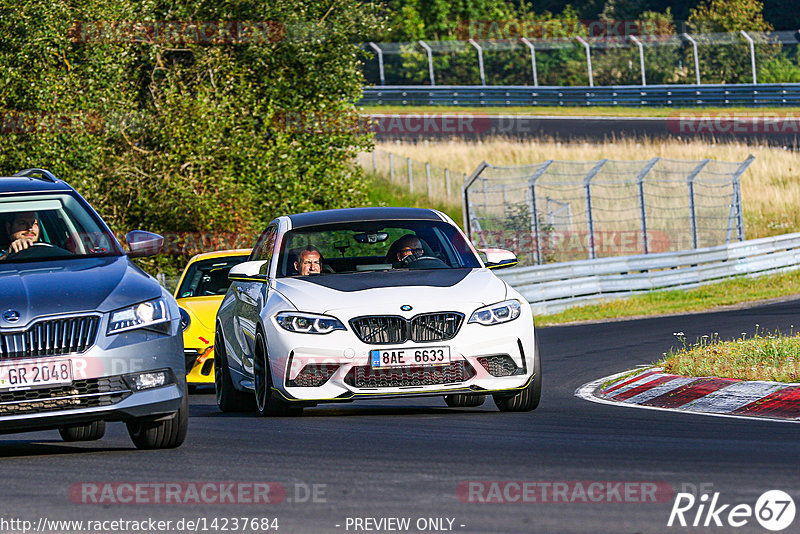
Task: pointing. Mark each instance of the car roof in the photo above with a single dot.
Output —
(314, 218)
(22, 184)
(220, 254)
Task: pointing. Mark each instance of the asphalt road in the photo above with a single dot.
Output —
(407, 459)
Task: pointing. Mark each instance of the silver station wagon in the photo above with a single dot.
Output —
(86, 336)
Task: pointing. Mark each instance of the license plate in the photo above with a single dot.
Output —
(15, 376)
(411, 357)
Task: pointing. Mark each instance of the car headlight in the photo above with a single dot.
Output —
(142, 315)
(308, 323)
(502, 312)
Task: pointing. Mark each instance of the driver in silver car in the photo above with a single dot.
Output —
(23, 231)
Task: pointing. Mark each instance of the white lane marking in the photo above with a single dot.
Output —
(587, 392)
(732, 397)
(660, 389)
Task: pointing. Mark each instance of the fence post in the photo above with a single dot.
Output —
(410, 176)
(468, 181)
(642, 211)
(480, 60)
(737, 191)
(428, 51)
(428, 173)
(533, 61)
(752, 55)
(587, 184)
(380, 61)
(641, 56)
(534, 217)
(447, 182)
(696, 59)
(692, 212)
(588, 59)
(374, 161)
(391, 166)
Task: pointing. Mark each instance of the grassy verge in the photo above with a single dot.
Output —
(762, 356)
(605, 111)
(725, 293)
(383, 193)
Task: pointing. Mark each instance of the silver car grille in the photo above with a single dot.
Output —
(51, 337)
(389, 329)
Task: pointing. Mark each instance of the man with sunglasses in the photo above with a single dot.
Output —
(23, 232)
(406, 251)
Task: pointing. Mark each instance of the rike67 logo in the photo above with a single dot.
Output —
(774, 510)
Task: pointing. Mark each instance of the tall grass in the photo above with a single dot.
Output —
(770, 187)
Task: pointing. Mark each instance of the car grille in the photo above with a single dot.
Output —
(388, 329)
(367, 377)
(51, 337)
(501, 365)
(89, 393)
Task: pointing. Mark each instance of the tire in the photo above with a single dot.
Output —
(268, 404)
(229, 399)
(461, 400)
(527, 399)
(166, 434)
(88, 432)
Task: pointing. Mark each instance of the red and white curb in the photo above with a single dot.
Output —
(653, 389)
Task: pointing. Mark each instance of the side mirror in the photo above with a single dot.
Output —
(141, 243)
(249, 271)
(497, 258)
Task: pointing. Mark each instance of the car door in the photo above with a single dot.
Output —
(250, 296)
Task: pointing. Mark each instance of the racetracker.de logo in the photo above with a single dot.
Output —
(723, 123)
(177, 493)
(567, 491)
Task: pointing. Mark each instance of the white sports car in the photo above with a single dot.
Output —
(364, 303)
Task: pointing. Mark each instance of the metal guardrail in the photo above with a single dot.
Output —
(722, 95)
(555, 287)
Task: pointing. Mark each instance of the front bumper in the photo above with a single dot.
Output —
(338, 365)
(98, 390)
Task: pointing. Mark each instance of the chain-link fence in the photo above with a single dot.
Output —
(681, 58)
(568, 210)
(417, 176)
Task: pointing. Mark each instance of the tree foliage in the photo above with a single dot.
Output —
(171, 132)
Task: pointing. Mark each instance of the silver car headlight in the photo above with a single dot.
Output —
(502, 312)
(308, 323)
(142, 315)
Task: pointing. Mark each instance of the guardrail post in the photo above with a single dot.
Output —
(534, 217)
(468, 181)
(692, 212)
(391, 166)
(587, 184)
(428, 173)
(696, 58)
(588, 59)
(380, 61)
(641, 56)
(410, 176)
(428, 51)
(447, 182)
(642, 210)
(752, 55)
(533, 61)
(480, 60)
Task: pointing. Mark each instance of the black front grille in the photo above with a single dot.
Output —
(501, 365)
(367, 377)
(392, 329)
(52, 337)
(89, 393)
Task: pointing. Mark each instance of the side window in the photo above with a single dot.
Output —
(265, 247)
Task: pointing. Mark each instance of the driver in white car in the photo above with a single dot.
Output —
(23, 231)
(407, 249)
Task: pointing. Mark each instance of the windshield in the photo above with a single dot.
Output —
(207, 277)
(51, 226)
(374, 246)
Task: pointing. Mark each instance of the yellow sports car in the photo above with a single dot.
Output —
(199, 293)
